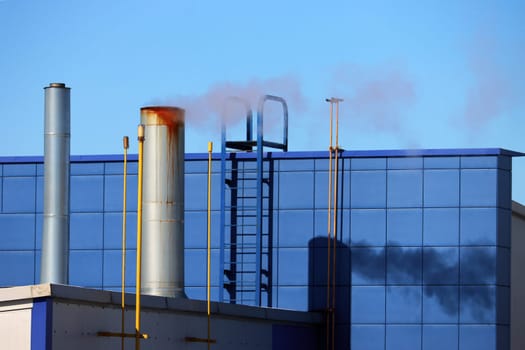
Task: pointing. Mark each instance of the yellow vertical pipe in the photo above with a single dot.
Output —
(329, 223)
(125, 142)
(208, 294)
(139, 237)
(336, 194)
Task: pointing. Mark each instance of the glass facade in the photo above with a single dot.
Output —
(423, 251)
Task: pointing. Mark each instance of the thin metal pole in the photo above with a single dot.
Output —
(139, 237)
(336, 194)
(125, 142)
(208, 294)
(329, 222)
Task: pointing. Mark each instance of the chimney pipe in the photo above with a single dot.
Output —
(163, 202)
(55, 239)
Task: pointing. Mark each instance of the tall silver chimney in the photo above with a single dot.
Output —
(55, 240)
(163, 202)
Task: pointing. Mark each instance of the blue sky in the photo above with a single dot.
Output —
(414, 74)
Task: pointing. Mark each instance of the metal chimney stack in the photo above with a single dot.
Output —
(163, 202)
(55, 240)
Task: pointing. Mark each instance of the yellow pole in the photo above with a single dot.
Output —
(139, 237)
(336, 193)
(125, 142)
(210, 150)
(328, 308)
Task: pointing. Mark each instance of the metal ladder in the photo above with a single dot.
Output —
(247, 196)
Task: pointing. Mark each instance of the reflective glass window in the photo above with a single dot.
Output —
(477, 304)
(483, 162)
(86, 230)
(441, 188)
(477, 337)
(441, 162)
(113, 268)
(113, 187)
(195, 267)
(368, 227)
(405, 163)
(440, 304)
(403, 265)
(440, 265)
(368, 266)
(39, 194)
(368, 337)
(441, 226)
(368, 304)
(199, 293)
(86, 193)
(295, 228)
(113, 231)
(478, 226)
(478, 265)
(368, 163)
(404, 227)
(404, 337)
(296, 164)
(479, 187)
(39, 169)
(196, 192)
(19, 170)
(439, 337)
(293, 298)
(19, 194)
(38, 230)
(403, 304)
(405, 188)
(17, 232)
(196, 229)
(293, 267)
(368, 189)
(296, 190)
(21, 268)
(85, 268)
(87, 168)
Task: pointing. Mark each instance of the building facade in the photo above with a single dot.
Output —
(423, 238)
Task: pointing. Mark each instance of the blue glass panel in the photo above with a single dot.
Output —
(196, 166)
(19, 170)
(368, 189)
(441, 162)
(321, 190)
(403, 304)
(196, 192)
(295, 228)
(17, 231)
(504, 189)
(38, 228)
(86, 231)
(39, 194)
(503, 305)
(195, 267)
(38, 258)
(441, 188)
(440, 304)
(477, 337)
(87, 168)
(113, 231)
(113, 187)
(296, 190)
(368, 305)
(438, 337)
(403, 265)
(368, 337)
(117, 168)
(479, 188)
(293, 298)
(199, 293)
(483, 162)
(368, 163)
(405, 163)
(39, 169)
(21, 269)
(503, 266)
(403, 337)
(196, 229)
(368, 266)
(405, 188)
(478, 265)
(441, 265)
(404, 227)
(477, 304)
(19, 195)
(368, 227)
(296, 164)
(441, 227)
(504, 227)
(478, 226)
(113, 268)
(85, 268)
(321, 229)
(293, 267)
(86, 193)
(505, 162)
